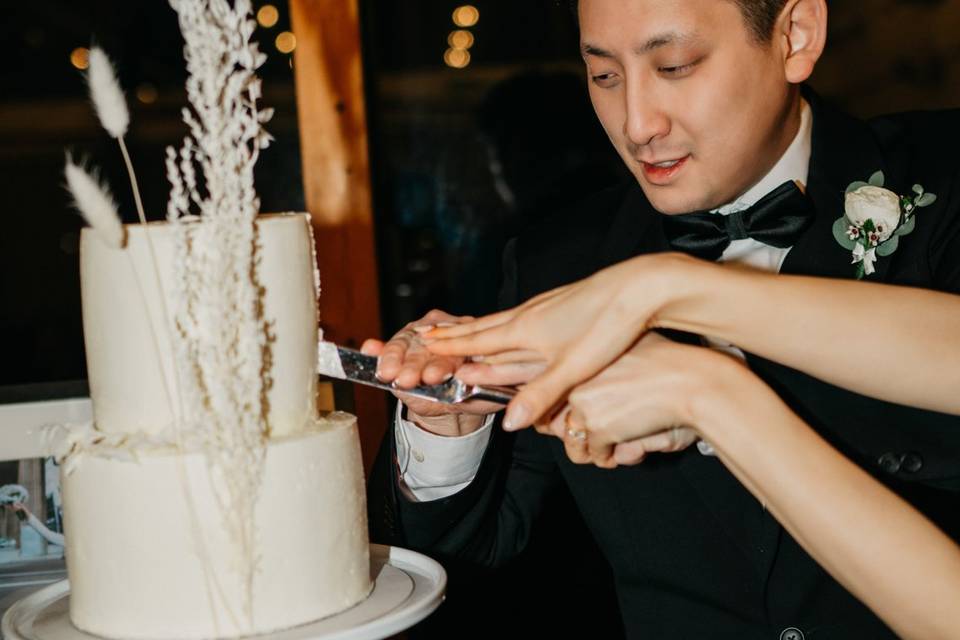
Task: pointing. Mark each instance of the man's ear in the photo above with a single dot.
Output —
(802, 33)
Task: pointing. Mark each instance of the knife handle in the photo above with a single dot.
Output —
(500, 395)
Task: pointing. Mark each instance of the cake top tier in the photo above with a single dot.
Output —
(131, 318)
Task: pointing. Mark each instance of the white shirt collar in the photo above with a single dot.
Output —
(794, 164)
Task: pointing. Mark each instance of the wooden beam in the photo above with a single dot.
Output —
(336, 180)
(30, 477)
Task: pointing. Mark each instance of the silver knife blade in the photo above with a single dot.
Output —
(348, 364)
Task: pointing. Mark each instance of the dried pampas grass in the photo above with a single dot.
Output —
(95, 203)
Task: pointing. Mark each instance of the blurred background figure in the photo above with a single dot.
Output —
(537, 162)
(20, 528)
(25, 516)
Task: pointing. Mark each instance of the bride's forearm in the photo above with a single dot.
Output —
(875, 544)
(841, 331)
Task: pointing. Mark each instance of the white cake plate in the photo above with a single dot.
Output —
(408, 586)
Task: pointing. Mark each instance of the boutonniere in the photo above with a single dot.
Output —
(874, 219)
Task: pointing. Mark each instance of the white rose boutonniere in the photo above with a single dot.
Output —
(874, 220)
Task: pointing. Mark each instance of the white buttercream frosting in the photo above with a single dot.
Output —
(183, 523)
(129, 349)
(141, 566)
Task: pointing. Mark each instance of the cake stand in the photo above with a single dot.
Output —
(408, 586)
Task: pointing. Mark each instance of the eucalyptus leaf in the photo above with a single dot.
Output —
(877, 179)
(926, 200)
(888, 247)
(906, 227)
(840, 233)
(856, 185)
(917, 189)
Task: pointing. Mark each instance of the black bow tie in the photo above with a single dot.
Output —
(777, 219)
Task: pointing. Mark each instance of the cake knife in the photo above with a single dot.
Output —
(348, 364)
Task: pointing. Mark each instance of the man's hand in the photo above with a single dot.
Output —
(405, 361)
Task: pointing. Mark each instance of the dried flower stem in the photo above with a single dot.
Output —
(133, 184)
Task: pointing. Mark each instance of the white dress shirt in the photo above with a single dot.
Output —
(432, 467)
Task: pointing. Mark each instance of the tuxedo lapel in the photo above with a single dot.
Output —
(637, 229)
(843, 149)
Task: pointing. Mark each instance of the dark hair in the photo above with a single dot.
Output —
(759, 16)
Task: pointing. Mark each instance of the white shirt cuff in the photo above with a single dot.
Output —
(432, 467)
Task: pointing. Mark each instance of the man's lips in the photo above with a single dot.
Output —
(662, 172)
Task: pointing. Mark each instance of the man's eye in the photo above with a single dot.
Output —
(677, 71)
(604, 79)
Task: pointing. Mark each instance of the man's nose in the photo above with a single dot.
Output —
(646, 120)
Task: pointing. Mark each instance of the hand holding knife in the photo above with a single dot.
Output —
(348, 364)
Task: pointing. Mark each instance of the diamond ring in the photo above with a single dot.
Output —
(580, 435)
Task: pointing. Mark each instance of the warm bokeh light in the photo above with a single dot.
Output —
(147, 93)
(268, 15)
(286, 42)
(80, 57)
(466, 16)
(460, 39)
(456, 58)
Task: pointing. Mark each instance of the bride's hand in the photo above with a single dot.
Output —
(571, 332)
(642, 403)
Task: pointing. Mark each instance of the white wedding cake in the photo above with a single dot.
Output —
(207, 499)
(153, 547)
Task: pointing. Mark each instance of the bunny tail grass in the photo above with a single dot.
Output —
(107, 96)
(95, 203)
(111, 108)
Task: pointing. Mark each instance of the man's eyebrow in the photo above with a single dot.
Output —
(655, 42)
(664, 39)
(588, 49)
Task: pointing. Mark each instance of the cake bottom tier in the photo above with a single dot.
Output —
(148, 556)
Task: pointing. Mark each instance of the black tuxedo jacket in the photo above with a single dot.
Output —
(693, 554)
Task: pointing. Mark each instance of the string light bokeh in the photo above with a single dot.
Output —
(459, 41)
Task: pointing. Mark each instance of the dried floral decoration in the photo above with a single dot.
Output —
(90, 195)
(95, 203)
(111, 108)
(222, 341)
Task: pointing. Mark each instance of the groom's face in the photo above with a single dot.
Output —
(696, 107)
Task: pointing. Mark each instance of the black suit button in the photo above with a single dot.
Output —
(791, 633)
(890, 462)
(911, 462)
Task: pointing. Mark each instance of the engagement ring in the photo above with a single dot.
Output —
(580, 435)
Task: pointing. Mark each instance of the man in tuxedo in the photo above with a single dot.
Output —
(703, 100)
